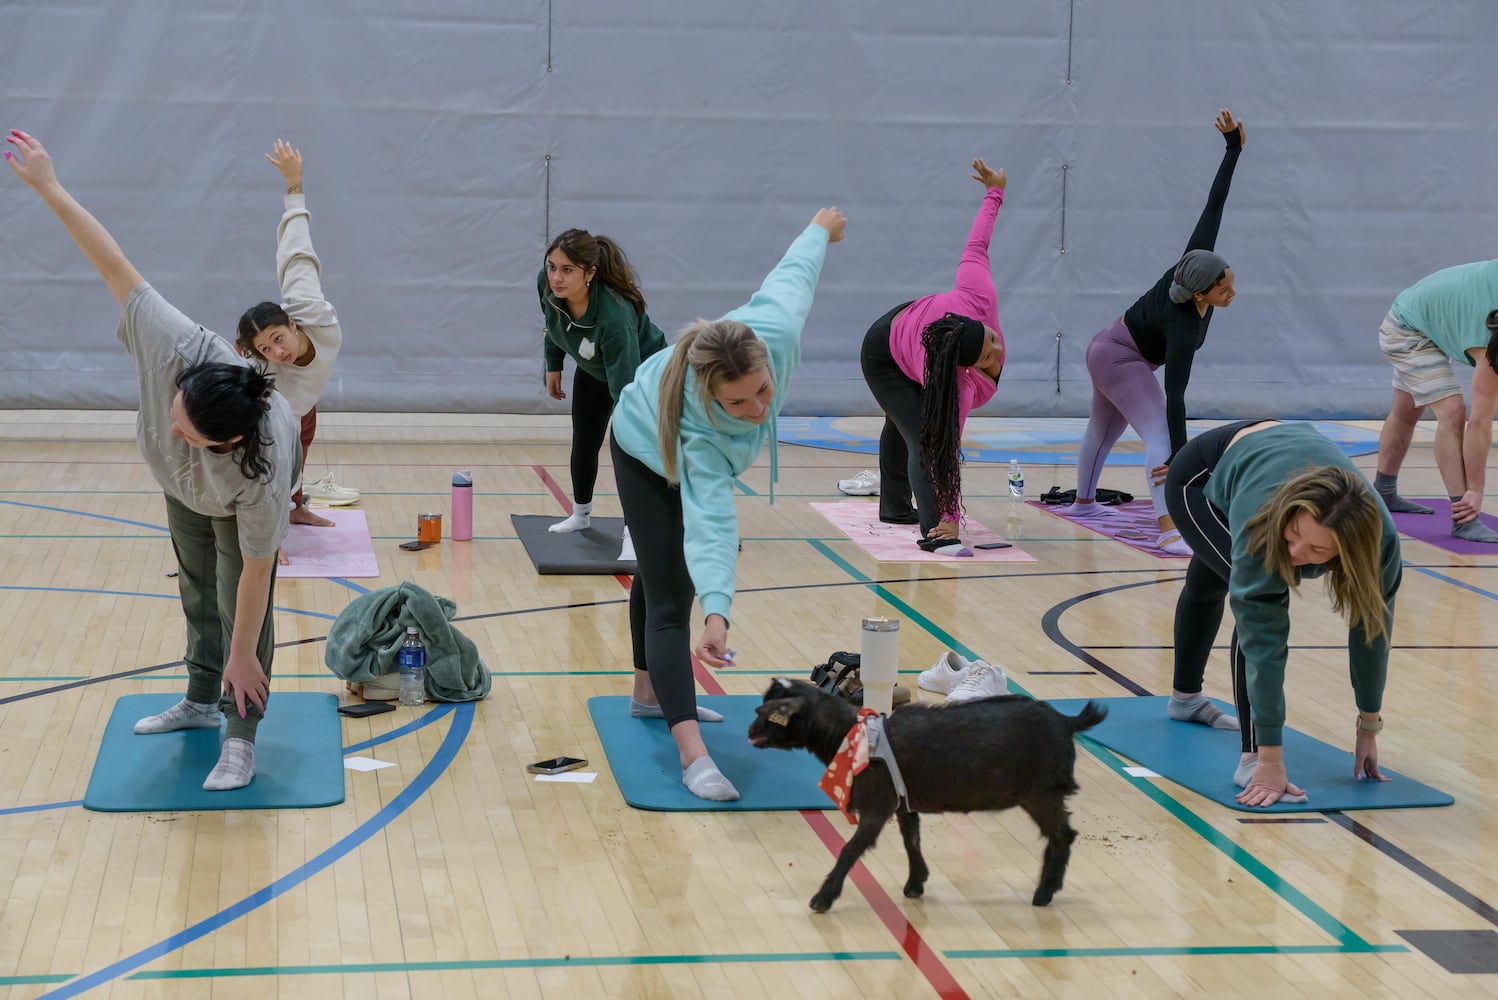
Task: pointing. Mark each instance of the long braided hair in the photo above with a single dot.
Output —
(941, 445)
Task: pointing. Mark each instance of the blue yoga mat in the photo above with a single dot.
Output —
(298, 759)
(643, 757)
(1202, 759)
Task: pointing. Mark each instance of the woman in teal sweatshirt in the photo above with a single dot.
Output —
(1263, 506)
(693, 419)
(593, 311)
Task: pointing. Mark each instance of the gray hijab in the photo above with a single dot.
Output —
(1197, 272)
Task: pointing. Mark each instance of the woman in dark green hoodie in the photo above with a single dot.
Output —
(1265, 505)
(594, 312)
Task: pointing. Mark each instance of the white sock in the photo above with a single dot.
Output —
(627, 549)
(640, 710)
(580, 518)
(1171, 541)
(1090, 508)
(235, 767)
(1198, 709)
(704, 780)
(183, 715)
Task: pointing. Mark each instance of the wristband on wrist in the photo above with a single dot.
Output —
(1364, 726)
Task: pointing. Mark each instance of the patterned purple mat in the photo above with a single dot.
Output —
(1435, 529)
(1133, 523)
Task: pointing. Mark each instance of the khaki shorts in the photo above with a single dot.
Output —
(1420, 367)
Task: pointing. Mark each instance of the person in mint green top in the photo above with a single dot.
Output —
(694, 418)
(1263, 506)
(1448, 316)
(594, 313)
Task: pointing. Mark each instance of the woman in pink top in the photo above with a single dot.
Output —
(928, 363)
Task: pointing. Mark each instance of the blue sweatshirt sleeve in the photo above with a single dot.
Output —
(777, 311)
(710, 537)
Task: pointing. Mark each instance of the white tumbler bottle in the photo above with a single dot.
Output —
(879, 662)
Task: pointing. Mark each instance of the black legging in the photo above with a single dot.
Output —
(660, 600)
(902, 475)
(1204, 594)
(591, 406)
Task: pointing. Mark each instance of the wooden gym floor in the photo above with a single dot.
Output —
(453, 874)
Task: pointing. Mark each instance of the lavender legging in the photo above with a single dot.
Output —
(1124, 393)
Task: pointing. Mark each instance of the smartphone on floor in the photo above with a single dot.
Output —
(358, 710)
(993, 545)
(556, 765)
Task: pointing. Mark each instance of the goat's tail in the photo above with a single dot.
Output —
(1092, 713)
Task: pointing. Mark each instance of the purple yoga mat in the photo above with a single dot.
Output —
(1435, 529)
(1133, 523)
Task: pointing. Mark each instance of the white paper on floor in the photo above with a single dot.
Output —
(365, 763)
(575, 777)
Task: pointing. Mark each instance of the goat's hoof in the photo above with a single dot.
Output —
(820, 904)
(1042, 897)
(914, 890)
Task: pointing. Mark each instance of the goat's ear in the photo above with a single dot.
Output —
(781, 716)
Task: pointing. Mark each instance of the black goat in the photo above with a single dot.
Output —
(976, 756)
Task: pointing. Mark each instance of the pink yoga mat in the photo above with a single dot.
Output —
(1436, 528)
(343, 550)
(1133, 523)
(859, 520)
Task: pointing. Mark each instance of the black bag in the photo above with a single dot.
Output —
(839, 676)
(1108, 498)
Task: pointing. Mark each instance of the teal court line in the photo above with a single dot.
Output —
(1347, 940)
(481, 965)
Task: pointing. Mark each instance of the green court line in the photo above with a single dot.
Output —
(1347, 939)
(485, 965)
(39, 980)
(1268, 949)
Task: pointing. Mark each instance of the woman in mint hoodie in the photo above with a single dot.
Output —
(693, 419)
(594, 312)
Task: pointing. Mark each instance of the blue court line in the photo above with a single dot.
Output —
(410, 727)
(1455, 583)
(1348, 939)
(84, 513)
(44, 806)
(441, 760)
(161, 597)
(495, 964)
(351, 585)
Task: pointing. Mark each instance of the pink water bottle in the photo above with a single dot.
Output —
(463, 505)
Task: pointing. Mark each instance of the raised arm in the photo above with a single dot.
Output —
(974, 273)
(1204, 236)
(32, 164)
(298, 271)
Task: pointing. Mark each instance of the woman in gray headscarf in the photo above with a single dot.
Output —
(1166, 326)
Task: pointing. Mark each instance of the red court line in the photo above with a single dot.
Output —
(926, 960)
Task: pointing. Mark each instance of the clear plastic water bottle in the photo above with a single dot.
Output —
(413, 666)
(1016, 484)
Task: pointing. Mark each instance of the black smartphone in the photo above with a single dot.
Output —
(994, 545)
(556, 765)
(360, 710)
(416, 546)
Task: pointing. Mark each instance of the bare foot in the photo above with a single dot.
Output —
(304, 515)
(281, 558)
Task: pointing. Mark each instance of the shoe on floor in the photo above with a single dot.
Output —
(329, 492)
(865, 484)
(983, 680)
(944, 674)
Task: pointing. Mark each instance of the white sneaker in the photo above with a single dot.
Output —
(329, 492)
(865, 484)
(944, 674)
(627, 550)
(983, 680)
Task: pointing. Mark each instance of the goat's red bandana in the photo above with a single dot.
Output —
(851, 757)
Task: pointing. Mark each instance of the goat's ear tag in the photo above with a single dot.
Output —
(780, 717)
